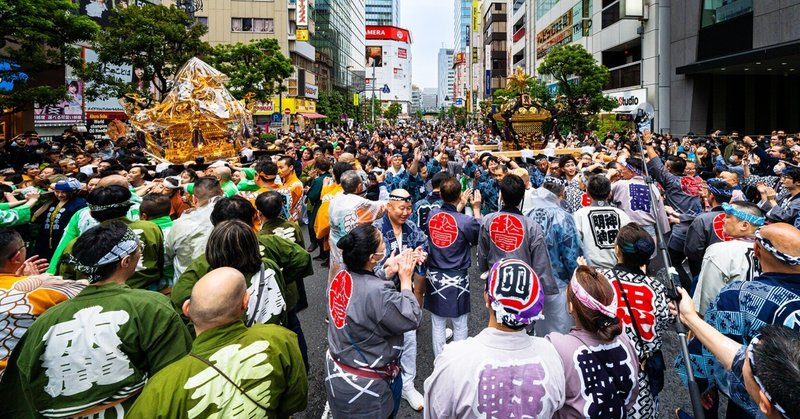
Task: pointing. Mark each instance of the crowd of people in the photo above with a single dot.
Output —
(134, 287)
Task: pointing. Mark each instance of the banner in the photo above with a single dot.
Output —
(302, 13)
(120, 72)
(557, 33)
(66, 112)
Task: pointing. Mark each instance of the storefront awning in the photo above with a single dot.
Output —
(312, 115)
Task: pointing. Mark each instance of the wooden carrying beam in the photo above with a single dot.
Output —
(558, 152)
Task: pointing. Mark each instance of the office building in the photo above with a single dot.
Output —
(339, 38)
(735, 66)
(446, 78)
(493, 70)
(388, 65)
(382, 12)
(520, 24)
(624, 40)
(429, 100)
(416, 98)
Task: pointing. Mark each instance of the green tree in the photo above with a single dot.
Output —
(37, 37)
(258, 67)
(393, 111)
(580, 81)
(154, 38)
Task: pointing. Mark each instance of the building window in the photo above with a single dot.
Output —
(202, 20)
(610, 14)
(625, 76)
(246, 24)
(718, 11)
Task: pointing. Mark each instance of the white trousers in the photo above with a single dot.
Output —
(438, 325)
(408, 360)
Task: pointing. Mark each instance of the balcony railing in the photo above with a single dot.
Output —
(519, 34)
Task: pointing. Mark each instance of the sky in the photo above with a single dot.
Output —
(431, 26)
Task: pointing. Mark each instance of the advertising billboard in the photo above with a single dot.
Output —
(374, 56)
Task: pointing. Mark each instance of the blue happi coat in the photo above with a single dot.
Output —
(741, 309)
(561, 235)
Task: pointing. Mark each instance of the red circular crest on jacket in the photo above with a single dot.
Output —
(339, 293)
(443, 229)
(506, 232)
(719, 227)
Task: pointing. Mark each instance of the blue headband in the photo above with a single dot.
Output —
(633, 169)
(750, 218)
(717, 191)
(769, 247)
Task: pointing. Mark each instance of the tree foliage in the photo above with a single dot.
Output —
(334, 103)
(258, 67)
(155, 38)
(580, 80)
(393, 111)
(37, 39)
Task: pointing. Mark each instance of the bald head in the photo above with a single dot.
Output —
(223, 174)
(347, 158)
(399, 207)
(218, 298)
(117, 180)
(786, 239)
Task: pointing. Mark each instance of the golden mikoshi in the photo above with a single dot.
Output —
(196, 118)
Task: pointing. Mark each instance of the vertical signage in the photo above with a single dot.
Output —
(302, 13)
(475, 16)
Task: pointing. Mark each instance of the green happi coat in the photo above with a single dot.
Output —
(286, 229)
(264, 360)
(289, 259)
(95, 349)
(150, 270)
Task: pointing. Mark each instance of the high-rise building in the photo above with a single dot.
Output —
(416, 98)
(389, 65)
(463, 19)
(383, 12)
(430, 99)
(520, 25)
(340, 35)
(446, 78)
(494, 55)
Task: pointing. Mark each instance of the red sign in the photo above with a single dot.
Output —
(287, 111)
(402, 53)
(339, 298)
(506, 232)
(389, 33)
(443, 229)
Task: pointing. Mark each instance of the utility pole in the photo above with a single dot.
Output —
(372, 102)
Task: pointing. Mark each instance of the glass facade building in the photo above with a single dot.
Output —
(383, 12)
(463, 19)
(340, 34)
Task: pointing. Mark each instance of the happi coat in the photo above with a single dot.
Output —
(648, 306)
(739, 312)
(510, 235)
(601, 377)
(94, 351)
(451, 237)
(367, 319)
(496, 374)
(264, 360)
